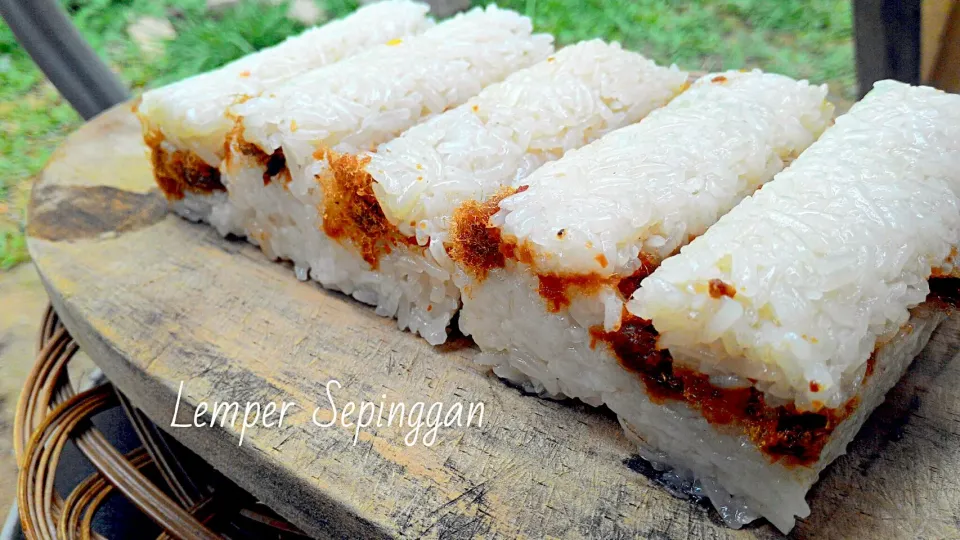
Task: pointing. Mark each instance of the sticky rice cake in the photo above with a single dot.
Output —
(796, 287)
(616, 207)
(411, 185)
(773, 335)
(185, 123)
(812, 297)
(288, 144)
(545, 272)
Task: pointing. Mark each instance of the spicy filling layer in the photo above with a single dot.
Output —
(782, 433)
(178, 171)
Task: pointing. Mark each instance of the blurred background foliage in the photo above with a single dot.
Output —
(152, 42)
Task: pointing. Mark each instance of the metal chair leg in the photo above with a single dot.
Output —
(54, 43)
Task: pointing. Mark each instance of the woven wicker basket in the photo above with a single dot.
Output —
(192, 501)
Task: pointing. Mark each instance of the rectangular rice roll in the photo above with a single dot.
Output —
(412, 184)
(185, 124)
(826, 261)
(813, 296)
(287, 144)
(545, 272)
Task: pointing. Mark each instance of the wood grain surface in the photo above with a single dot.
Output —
(156, 301)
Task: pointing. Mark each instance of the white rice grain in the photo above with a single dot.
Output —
(345, 110)
(827, 259)
(191, 113)
(492, 142)
(625, 202)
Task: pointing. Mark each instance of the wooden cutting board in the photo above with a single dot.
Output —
(155, 300)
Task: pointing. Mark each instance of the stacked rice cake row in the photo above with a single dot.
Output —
(571, 246)
(317, 213)
(185, 124)
(443, 168)
(809, 297)
(414, 183)
(749, 359)
(328, 206)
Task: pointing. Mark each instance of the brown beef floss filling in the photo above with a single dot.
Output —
(475, 244)
(351, 211)
(179, 172)
(783, 433)
(274, 165)
(479, 247)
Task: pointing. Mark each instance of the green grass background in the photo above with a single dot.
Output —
(803, 38)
